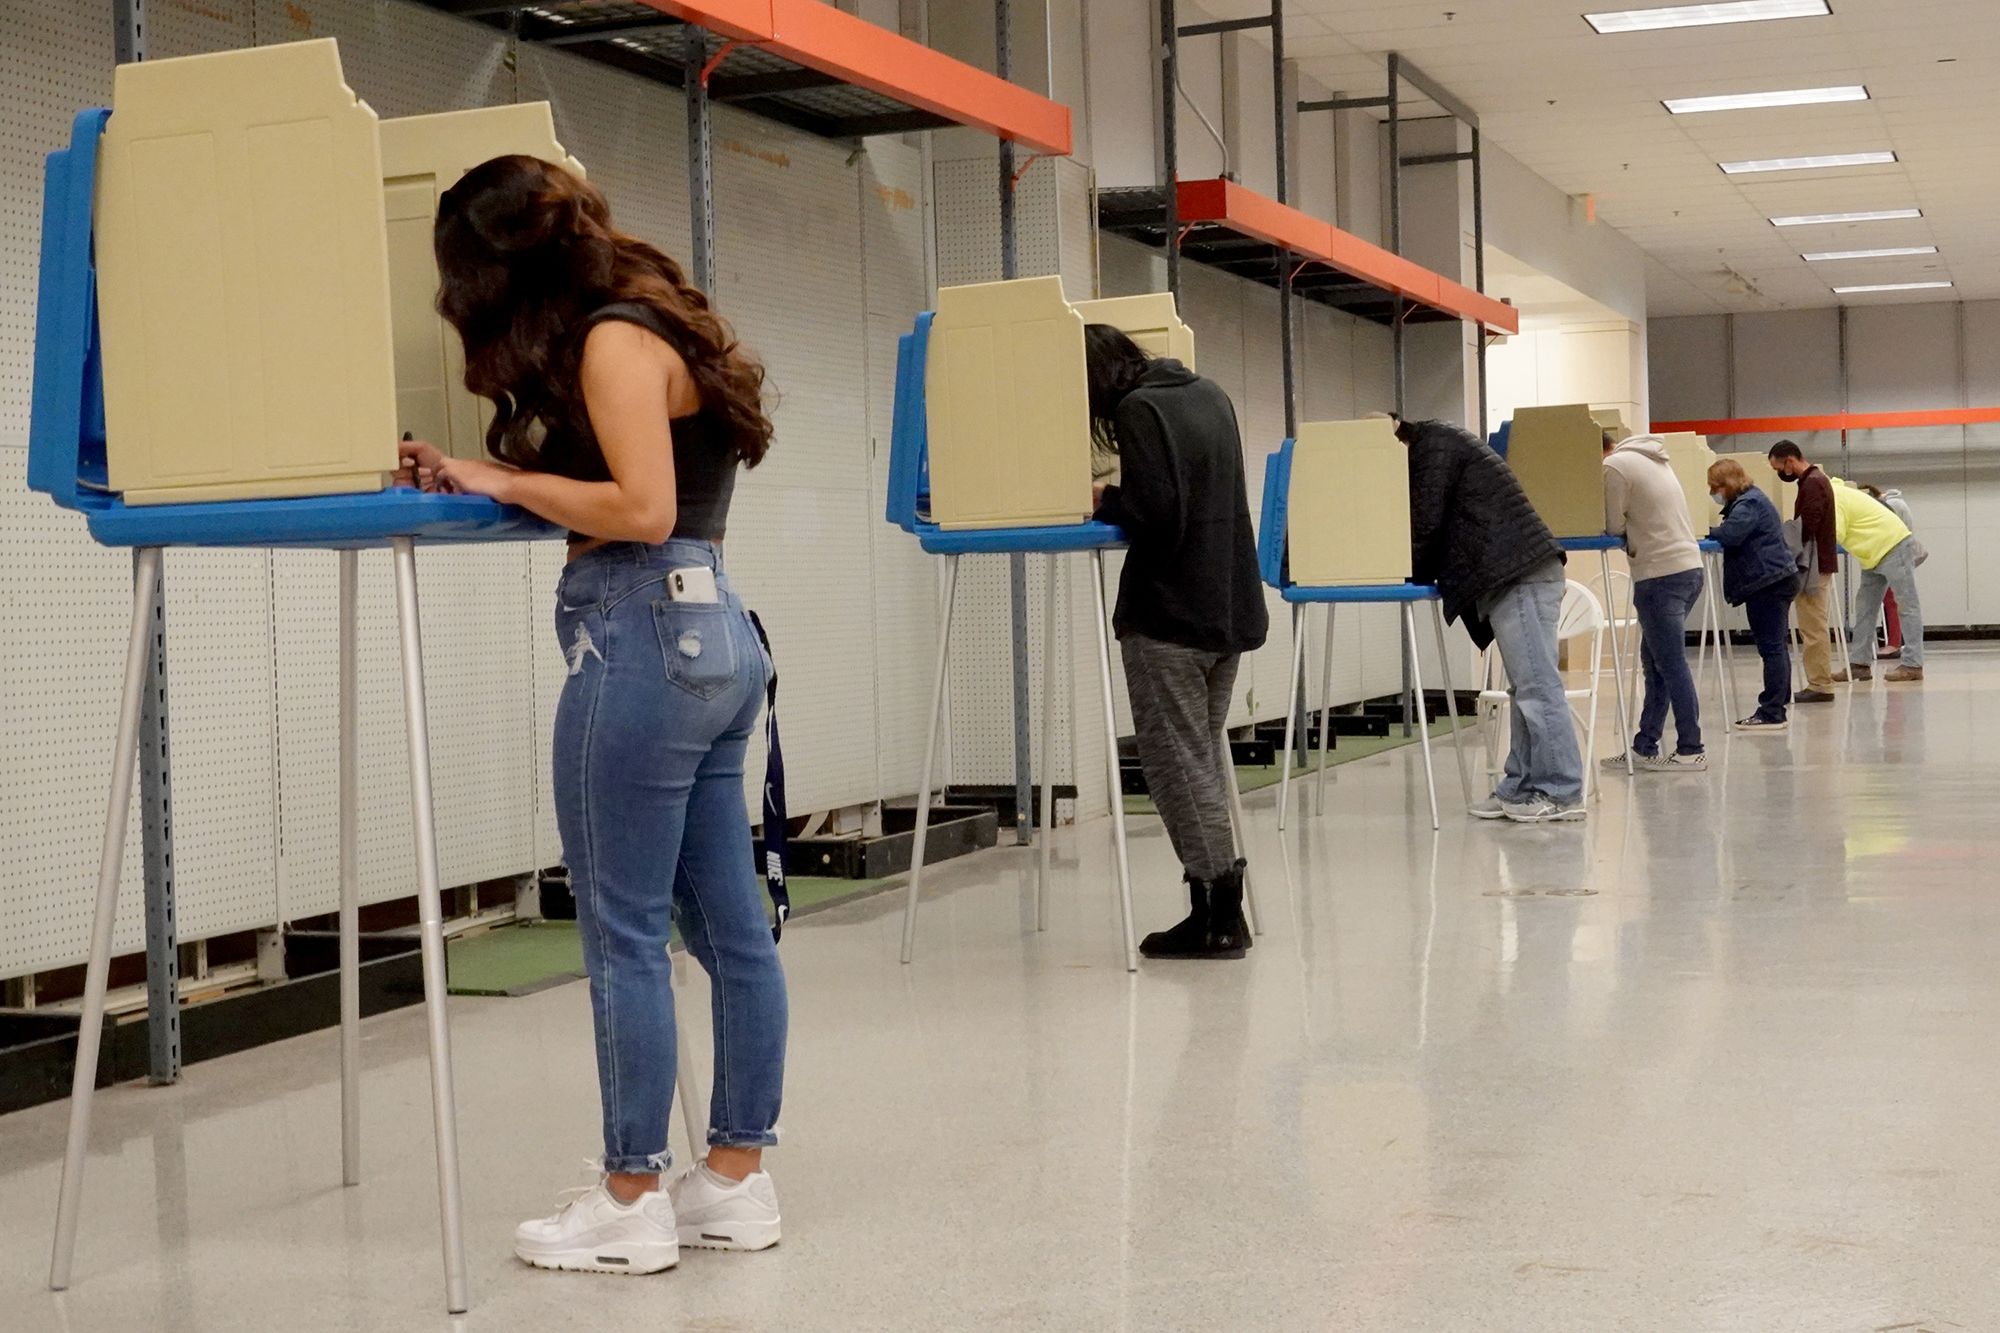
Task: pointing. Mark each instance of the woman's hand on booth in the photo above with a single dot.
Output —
(419, 464)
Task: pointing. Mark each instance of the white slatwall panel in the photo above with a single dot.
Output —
(895, 235)
(65, 604)
(800, 526)
(67, 608)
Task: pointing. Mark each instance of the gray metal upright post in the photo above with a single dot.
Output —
(1479, 260)
(156, 802)
(1017, 564)
(1170, 143)
(1396, 213)
(701, 162)
(1281, 113)
(163, 972)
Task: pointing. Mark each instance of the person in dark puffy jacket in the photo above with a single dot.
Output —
(1476, 536)
(1760, 574)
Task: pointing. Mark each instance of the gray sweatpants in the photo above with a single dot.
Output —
(1180, 703)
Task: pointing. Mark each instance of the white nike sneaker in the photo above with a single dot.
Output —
(594, 1233)
(716, 1213)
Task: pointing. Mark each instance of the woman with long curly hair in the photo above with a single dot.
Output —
(622, 408)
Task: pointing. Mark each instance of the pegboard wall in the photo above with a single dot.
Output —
(822, 258)
(1055, 234)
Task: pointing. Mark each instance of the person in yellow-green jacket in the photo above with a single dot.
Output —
(1888, 555)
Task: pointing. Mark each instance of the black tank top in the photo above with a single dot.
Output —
(704, 459)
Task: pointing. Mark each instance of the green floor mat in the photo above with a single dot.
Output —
(535, 955)
(1349, 749)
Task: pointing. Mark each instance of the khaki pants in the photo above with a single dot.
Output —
(1814, 628)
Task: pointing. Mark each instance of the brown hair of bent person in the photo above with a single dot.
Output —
(526, 252)
(1727, 475)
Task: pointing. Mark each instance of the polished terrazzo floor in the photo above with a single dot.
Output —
(1724, 1058)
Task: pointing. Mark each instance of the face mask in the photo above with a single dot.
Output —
(1788, 477)
(1718, 497)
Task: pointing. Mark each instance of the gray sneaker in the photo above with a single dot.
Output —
(1539, 809)
(1490, 808)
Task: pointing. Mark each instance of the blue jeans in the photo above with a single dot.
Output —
(1898, 570)
(1543, 755)
(1769, 610)
(1662, 605)
(660, 703)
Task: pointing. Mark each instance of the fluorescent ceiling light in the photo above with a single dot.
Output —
(1890, 252)
(1892, 287)
(1835, 219)
(1702, 16)
(1814, 163)
(1689, 106)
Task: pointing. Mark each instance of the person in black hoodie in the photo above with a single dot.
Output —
(1190, 604)
(1475, 535)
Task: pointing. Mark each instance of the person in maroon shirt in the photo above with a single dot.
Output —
(1822, 562)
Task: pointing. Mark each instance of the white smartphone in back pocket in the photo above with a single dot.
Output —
(696, 583)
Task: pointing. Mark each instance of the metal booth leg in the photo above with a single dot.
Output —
(1048, 747)
(1618, 661)
(1423, 713)
(350, 874)
(1241, 828)
(1451, 701)
(430, 913)
(1325, 711)
(1115, 787)
(1291, 710)
(930, 758)
(124, 759)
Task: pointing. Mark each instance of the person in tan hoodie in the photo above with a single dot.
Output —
(1644, 504)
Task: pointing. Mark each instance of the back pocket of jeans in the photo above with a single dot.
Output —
(699, 650)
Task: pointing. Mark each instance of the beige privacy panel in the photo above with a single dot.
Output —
(422, 157)
(1558, 453)
(1151, 320)
(243, 280)
(1007, 407)
(1689, 456)
(1154, 322)
(1348, 513)
(1765, 478)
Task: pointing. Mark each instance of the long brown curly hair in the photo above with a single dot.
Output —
(526, 253)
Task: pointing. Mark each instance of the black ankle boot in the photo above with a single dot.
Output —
(1227, 928)
(1214, 925)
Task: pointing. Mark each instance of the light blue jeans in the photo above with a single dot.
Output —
(1543, 755)
(659, 706)
(1898, 570)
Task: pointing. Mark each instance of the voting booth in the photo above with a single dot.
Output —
(1154, 322)
(1316, 546)
(1335, 541)
(990, 441)
(225, 355)
(1689, 456)
(1558, 454)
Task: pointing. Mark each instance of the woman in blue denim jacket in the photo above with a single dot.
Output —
(622, 408)
(1761, 575)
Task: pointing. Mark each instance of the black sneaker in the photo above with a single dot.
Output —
(1814, 697)
(1755, 723)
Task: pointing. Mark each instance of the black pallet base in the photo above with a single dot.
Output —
(999, 798)
(38, 1048)
(954, 831)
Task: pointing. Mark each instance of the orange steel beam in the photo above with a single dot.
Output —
(1245, 211)
(820, 37)
(1957, 416)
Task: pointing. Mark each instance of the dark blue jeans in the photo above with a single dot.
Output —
(650, 736)
(1770, 623)
(1663, 605)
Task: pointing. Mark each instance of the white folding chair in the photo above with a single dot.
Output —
(1580, 615)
